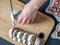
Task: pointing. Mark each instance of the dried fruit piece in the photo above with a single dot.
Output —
(58, 34)
(58, 31)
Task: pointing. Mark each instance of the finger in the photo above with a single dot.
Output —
(34, 16)
(20, 19)
(23, 21)
(32, 19)
(27, 21)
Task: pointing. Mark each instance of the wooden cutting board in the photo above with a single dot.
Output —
(42, 22)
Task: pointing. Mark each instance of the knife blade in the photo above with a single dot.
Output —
(12, 13)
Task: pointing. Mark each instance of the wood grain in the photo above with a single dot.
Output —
(42, 23)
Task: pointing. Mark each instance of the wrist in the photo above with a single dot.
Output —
(37, 3)
(33, 6)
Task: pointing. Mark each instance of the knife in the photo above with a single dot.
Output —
(12, 13)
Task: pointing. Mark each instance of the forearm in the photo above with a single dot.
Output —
(37, 3)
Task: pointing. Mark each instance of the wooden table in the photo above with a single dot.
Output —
(42, 22)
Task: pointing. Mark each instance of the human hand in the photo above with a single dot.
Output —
(28, 14)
